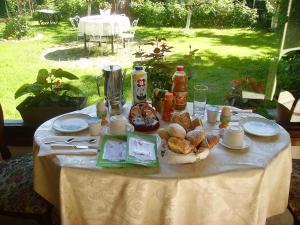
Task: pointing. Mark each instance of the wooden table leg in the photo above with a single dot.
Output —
(112, 43)
(84, 39)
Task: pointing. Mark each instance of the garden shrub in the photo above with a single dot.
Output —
(16, 28)
(71, 8)
(149, 13)
(214, 13)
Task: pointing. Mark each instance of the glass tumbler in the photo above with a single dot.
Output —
(199, 101)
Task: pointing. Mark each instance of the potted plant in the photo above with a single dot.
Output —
(234, 96)
(49, 96)
(288, 79)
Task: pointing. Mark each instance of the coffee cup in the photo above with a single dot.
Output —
(233, 136)
(212, 113)
(119, 125)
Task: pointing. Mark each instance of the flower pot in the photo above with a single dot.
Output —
(38, 114)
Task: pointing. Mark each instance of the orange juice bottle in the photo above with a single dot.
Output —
(180, 88)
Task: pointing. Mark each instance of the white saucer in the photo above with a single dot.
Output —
(246, 144)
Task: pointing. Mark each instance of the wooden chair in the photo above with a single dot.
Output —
(17, 197)
(294, 197)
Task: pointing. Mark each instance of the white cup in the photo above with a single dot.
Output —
(119, 125)
(94, 127)
(212, 113)
(233, 136)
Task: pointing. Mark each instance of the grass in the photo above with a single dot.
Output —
(223, 55)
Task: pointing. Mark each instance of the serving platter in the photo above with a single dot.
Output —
(70, 123)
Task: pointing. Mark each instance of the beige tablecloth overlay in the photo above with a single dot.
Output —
(229, 187)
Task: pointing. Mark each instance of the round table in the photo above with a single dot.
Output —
(103, 26)
(229, 187)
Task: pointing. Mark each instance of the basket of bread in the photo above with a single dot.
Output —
(143, 117)
(185, 140)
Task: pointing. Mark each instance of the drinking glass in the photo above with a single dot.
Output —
(199, 102)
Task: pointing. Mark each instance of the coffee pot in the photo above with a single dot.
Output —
(113, 88)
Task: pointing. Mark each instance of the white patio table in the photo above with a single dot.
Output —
(229, 187)
(103, 26)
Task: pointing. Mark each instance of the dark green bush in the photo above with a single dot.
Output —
(288, 75)
(16, 28)
(149, 13)
(213, 13)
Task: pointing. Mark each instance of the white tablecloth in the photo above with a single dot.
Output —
(103, 25)
(229, 187)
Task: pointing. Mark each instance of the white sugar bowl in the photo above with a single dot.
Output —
(233, 136)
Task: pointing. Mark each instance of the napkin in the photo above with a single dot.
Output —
(45, 149)
(170, 157)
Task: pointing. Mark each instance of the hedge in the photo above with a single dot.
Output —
(225, 13)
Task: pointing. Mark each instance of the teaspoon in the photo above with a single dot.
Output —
(70, 140)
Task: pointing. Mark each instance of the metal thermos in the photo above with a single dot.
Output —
(113, 88)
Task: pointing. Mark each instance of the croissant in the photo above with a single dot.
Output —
(210, 141)
(183, 119)
(195, 136)
(179, 145)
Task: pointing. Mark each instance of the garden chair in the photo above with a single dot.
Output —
(129, 35)
(105, 12)
(17, 198)
(74, 22)
(294, 197)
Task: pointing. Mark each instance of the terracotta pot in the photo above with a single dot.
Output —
(38, 115)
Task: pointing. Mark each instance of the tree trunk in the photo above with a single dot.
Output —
(89, 4)
(6, 8)
(188, 19)
(89, 9)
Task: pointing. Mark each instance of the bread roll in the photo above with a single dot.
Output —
(163, 133)
(210, 141)
(195, 136)
(179, 145)
(175, 130)
(182, 119)
(196, 122)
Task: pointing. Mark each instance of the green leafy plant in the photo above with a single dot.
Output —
(16, 28)
(288, 75)
(234, 96)
(49, 90)
(159, 71)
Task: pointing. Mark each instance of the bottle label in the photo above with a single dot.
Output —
(180, 98)
(140, 88)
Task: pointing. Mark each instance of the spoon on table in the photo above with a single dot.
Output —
(71, 140)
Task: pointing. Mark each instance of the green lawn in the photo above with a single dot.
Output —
(223, 55)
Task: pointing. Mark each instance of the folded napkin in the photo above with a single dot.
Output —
(46, 149)
(170, 157)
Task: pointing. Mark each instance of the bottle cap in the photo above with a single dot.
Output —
(168, 96)
(138, 68)
(179, 68)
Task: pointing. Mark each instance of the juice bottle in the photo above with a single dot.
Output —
(139, 85)
(168, 107)
(180, 88)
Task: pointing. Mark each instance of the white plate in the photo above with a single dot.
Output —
(246, 144)
(259, 126)
(73, 122)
